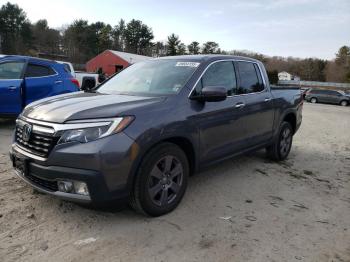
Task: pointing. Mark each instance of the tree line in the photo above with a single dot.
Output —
(81, 40)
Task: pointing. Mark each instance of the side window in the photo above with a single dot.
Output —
(67, 68)
(334, 93)
(219, 74)
(39, 70)
(11, 70)
(249, 80)
(261, 82)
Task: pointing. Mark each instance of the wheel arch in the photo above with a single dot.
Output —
(291, 119)
(182, 142)
(344, 100)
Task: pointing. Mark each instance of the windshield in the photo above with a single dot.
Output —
(154, 77)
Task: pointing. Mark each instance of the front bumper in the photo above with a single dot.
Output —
(104, 165)
(66, 196)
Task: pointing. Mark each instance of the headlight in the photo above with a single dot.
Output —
(81, 132)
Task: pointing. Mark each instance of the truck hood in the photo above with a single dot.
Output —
(77, 106)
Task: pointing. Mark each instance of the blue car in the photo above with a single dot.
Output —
(26, 79)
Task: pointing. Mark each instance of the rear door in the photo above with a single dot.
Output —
(322, 96)
(259, 107)
(41, 81)
(11, 79)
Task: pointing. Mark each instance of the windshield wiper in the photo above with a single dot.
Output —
(90, 90)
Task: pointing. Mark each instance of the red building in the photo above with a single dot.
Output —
(113, 61)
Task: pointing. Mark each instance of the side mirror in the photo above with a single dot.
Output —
(88, 83)
(211, 94)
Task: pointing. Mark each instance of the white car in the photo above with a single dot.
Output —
(86, 80)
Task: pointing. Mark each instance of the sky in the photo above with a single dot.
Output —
(298, 28)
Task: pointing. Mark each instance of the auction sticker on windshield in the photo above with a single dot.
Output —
(189, 64)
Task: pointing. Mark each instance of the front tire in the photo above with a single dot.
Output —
(344, 103)
(161, 180)
(313, 100)
(280, 149)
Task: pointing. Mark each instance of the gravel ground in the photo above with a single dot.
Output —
(244, 209)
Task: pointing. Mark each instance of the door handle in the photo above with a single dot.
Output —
(12, 88)
(239, 105)
(58, 82)
(267, 99)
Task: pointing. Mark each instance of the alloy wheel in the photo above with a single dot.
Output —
(286, 141)
(165, 180)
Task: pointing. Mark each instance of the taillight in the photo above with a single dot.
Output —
(75, 81)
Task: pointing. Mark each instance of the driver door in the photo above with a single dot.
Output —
(11, 81)
(221, 124)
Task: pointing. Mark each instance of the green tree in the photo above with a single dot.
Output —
(181, 49)
(104, 37)
(193, 48)
(79, 41)
(342, 57)
(159, 49)
(15, 31)
(210, 47)
(173, 44)
(342, 63)
(45, 39)
(119, 36)
(138, 37)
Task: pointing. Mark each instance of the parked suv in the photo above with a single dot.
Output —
(26, 79)
(141, 134)
(327, 96)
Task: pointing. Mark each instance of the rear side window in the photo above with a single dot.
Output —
(39, 70)
(67, 68)
(250, 78)
(333, 93)
(219, 74)
(319, 92)
(11, 70)
(261, 82)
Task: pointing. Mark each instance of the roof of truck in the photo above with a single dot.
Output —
(211, 57)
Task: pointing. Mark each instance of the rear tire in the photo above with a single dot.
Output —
(313, 100)
(280, 149)
(344, 103)
(161, 180)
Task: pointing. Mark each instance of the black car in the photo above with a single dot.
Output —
(141, 134)
(327, 96)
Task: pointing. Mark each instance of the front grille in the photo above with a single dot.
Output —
(46, 184)
(38, 143)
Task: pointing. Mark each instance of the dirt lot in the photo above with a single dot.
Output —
(245, 209)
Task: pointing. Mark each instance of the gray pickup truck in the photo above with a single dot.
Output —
(141, 134)
(336, 97)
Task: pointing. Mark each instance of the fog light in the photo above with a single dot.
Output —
(65, 186)
(81, 188)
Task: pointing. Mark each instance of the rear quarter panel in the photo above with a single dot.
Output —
(65, 77)
(286, 101)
